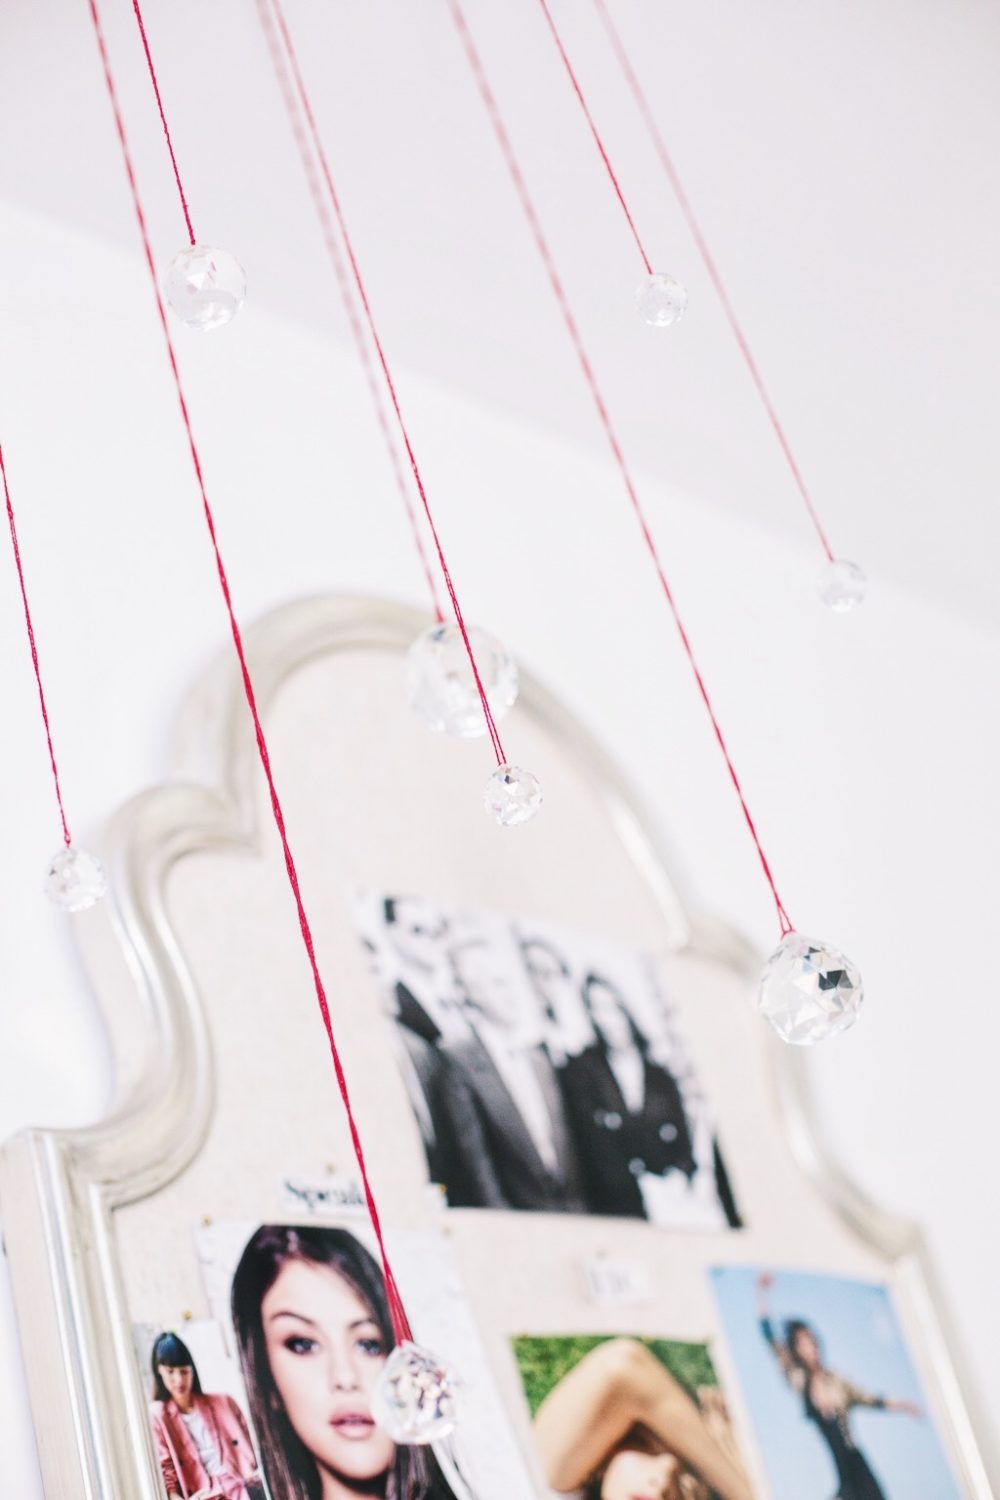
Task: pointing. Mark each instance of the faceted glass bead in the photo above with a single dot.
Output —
(843, 585)
(440, 685)
(512, 796)
(661, 301)
(75, 879)
(206, 288)
(808, 991)
(416, 1397)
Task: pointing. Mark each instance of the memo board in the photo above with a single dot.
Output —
(226, 1117)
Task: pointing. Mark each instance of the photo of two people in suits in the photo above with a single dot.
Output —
(537, 1082)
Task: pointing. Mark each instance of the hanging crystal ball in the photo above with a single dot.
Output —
(843, 585)
(512, 796)
(808, 991)
(440, 684)
(75, 879)
(661, 300)
(206, 288)
(416, 1397)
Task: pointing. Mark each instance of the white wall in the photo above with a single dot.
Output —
(863, 246)
(842, 159)
(867, 743)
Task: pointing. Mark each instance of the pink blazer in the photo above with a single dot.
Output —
(183, 1471)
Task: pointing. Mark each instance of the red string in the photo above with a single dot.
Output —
(486, 93)
(343, 286)
(307, 110)
(163, 118)
(595, 133)
(34, 652)
(400, 1324)
(708, 261)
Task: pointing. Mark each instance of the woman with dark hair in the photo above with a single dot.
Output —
(627, 1115)
(313, 1328)
(202, 1441)
(618, 1426)
(827, 1398)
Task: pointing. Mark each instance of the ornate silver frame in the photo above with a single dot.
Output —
(59, 1189)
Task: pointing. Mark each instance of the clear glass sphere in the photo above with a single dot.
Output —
(416, 1396)
(205, 288)
(661, 300)
(512, 796)
(843, 585)
(808, 991)
(441, 688)
(75, 879)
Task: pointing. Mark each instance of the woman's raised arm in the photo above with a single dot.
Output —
(791, 1371)
(614, 1388)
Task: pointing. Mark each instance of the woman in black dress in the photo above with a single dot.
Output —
(626, 1112)
(827, 1399)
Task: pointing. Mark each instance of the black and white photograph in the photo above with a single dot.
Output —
(544, 1067)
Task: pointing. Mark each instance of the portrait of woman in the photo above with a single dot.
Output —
(628, 1116)
(619, 1426)
(202, 1441)
(313, 1331)
(827, 1397)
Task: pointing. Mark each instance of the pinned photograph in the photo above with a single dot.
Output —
(621, 1418)
(306, 1312)
(544, 1067)
(830, 1387)
(197, 1414)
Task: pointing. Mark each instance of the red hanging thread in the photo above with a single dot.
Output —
(335, 204)
(596, 134)
(34, 652)
(513, 166)
(163, 118)
(400, 1324)
(338, 266)
(697, 234)
(343, 287)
